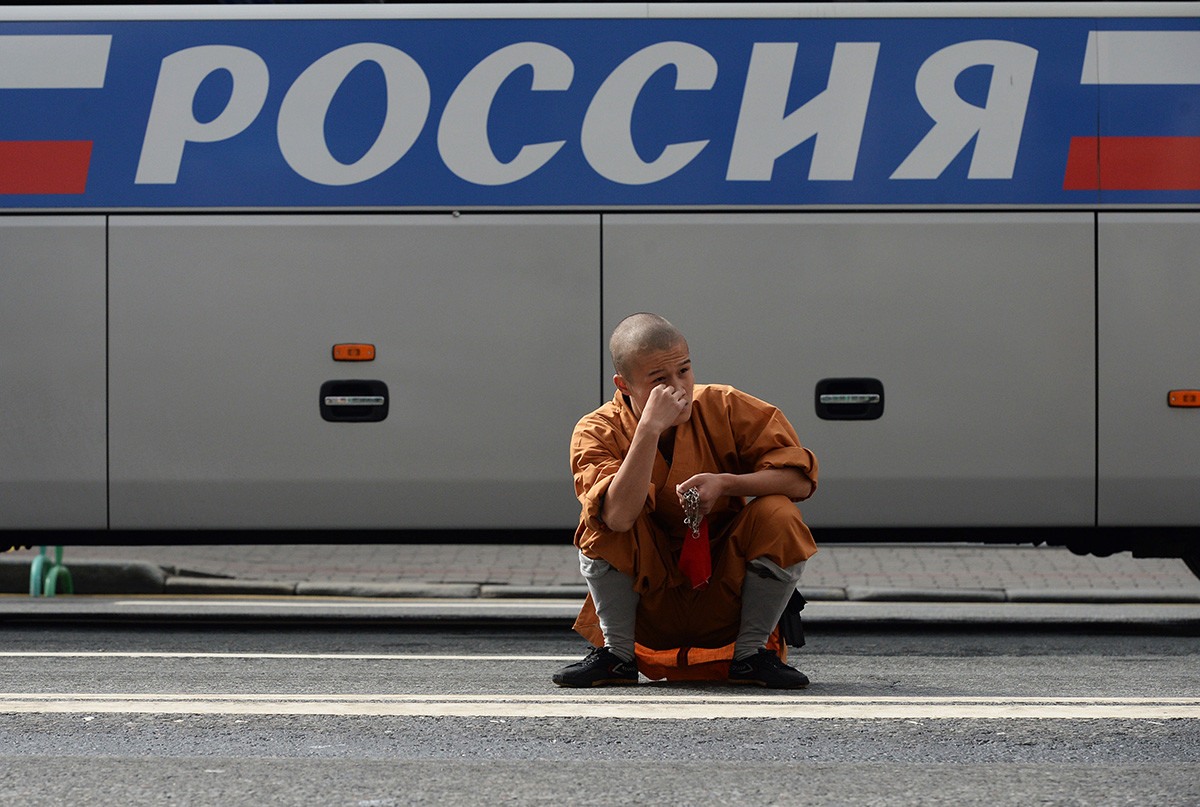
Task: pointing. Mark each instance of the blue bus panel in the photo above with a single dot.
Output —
(551, 113)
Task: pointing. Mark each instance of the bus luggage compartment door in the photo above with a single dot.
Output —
(980, 326)
(484, 328)
(52, 445)
(1149, 293)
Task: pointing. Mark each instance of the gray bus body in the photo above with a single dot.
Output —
(970, 348)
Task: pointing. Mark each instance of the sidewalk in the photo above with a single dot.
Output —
(839, 572)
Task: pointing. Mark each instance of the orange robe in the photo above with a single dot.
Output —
(682, 633)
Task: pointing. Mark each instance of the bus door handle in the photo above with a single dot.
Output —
(849, 399)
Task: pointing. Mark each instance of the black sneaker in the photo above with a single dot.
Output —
(766, 670)
(601, 668)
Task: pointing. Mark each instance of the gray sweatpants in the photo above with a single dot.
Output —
(765, 593)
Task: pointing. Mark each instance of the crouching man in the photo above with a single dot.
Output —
(694, 600)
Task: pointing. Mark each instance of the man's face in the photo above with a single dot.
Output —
(658, 368)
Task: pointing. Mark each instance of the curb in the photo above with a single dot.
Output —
(482, 613)
(94, 577)
(1132, 596)
(411, 590)
(123, 578)
(574, 592)
(223, 586)
(878, 594)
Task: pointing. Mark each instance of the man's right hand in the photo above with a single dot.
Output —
(663, 408)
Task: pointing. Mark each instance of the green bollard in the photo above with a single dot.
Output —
(46, 582)
(52, 579)
(37, 571)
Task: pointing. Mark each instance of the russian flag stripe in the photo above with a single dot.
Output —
(72, 61)
(44, 166)
(1133, 164)
(1142, 57)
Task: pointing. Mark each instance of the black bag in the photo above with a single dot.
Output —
(790, 629)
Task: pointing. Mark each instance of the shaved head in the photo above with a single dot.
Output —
(639, 334)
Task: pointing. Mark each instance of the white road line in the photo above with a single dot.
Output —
(571, 705)
(586, 696)
(284, 656)
(332, 603)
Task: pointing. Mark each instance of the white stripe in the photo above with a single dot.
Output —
(334, 603)
(644, 695)
(54, 62)
(651, 708)
(308, 656)
(1142, 57)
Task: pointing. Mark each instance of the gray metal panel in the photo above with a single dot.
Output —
(1149, 293)
(981, 327)
(222, 328)
(52, 446)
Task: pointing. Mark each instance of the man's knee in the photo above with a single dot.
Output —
(769, 525)
(773, 511)
(768, 569)
(592, 568)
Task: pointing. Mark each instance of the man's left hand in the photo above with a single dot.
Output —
(710, 487)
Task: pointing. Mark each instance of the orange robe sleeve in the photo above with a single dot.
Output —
(598, 445)
(765, 438)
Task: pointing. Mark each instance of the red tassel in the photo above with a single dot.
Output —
(696, 559)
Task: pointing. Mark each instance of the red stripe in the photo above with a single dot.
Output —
(1133, 164)
(44, 166)
(1083, 165)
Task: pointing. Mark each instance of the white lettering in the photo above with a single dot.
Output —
(301, 127)
(607, 139)
(765, 129)
(172, 123)
(835, 116)
(462, 134)
(996, 126)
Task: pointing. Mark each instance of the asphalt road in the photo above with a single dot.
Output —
(180, 715)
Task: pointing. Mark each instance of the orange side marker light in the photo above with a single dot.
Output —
(353, 352)
(1184, 397)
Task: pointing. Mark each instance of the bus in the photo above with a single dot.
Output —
(346, 272)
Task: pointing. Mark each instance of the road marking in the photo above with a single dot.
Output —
(570, 704)
(303, 656)
(334, 603)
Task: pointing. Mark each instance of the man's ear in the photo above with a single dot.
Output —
(621, 384)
